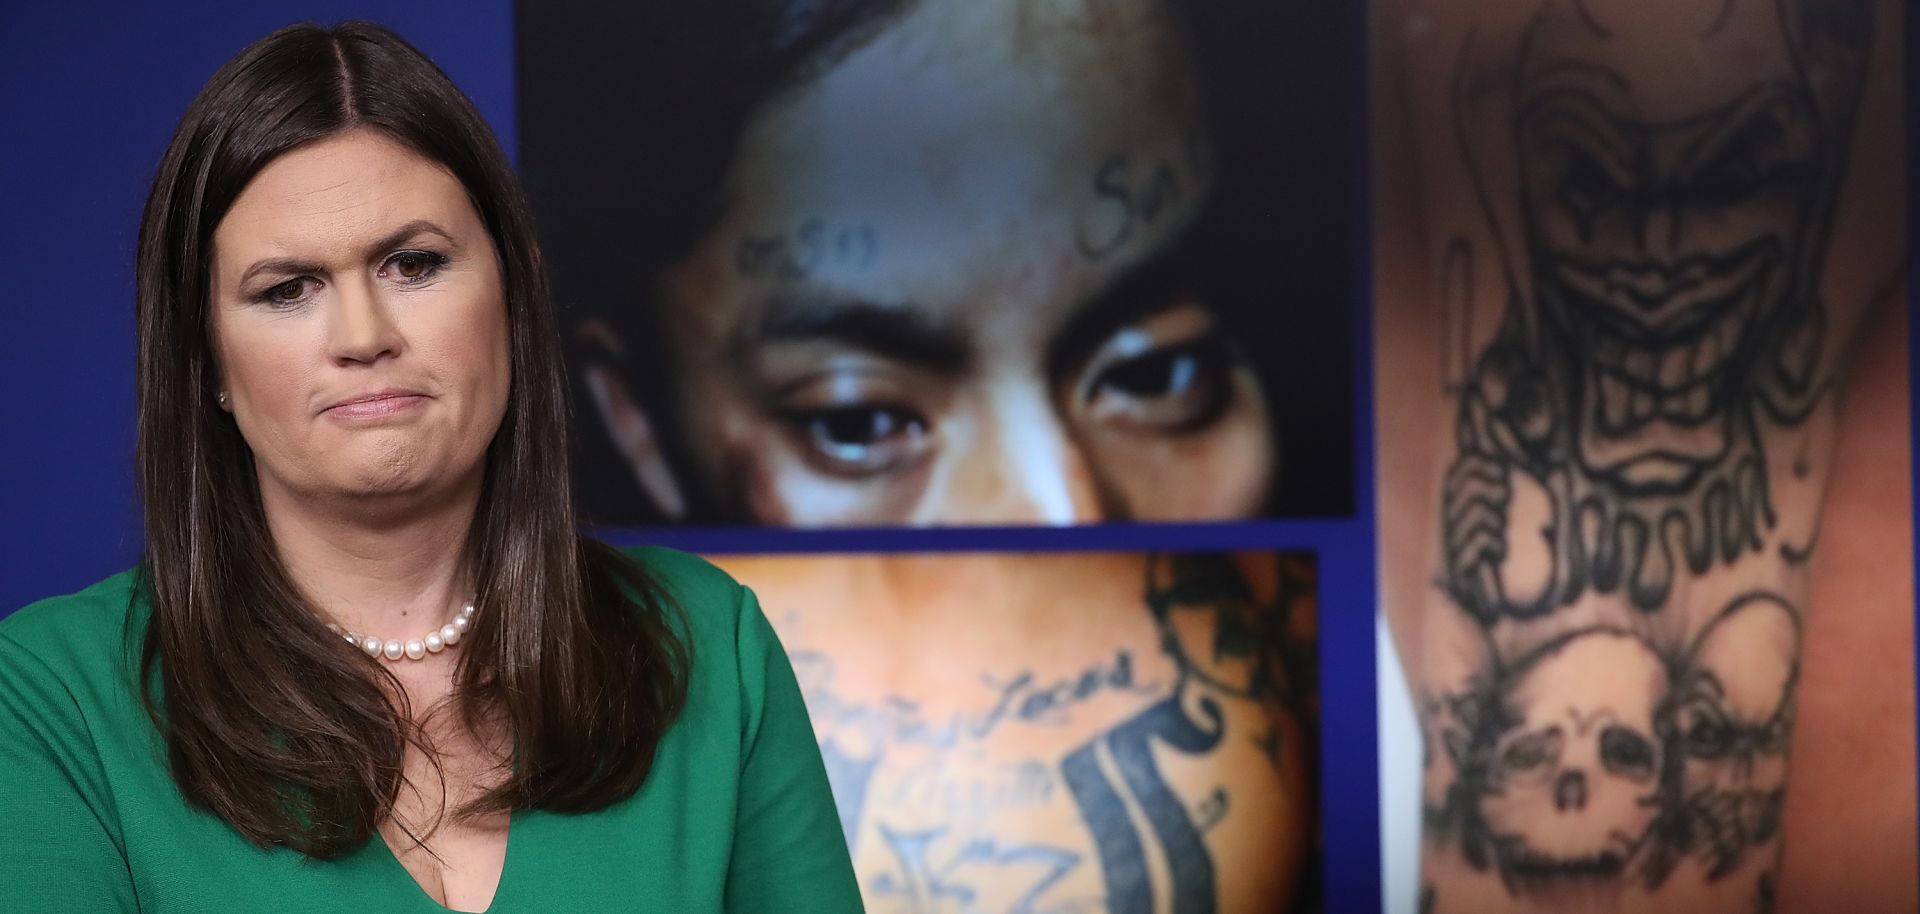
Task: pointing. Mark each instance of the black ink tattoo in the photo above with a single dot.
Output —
(1630, 428)
(1678, 755)
(936, 872)
(1241, 660)
(1127, 751)
(1666, 315)
(1567, 778)
(812, 245)
(1236, 630)
(1731, 717)
(1132, 195)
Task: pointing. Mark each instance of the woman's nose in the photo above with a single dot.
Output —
(360, 327)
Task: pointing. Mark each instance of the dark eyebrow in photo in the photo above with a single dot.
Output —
(1145, 289)
(901, 332)
(290, 265)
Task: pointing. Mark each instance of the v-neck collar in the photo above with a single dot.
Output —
(516, 826)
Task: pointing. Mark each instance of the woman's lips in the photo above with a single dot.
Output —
(376, 406)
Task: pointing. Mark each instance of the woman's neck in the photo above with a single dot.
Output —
(385, 570)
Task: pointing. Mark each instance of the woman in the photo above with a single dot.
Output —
(367, 653)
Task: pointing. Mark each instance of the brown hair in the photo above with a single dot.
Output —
(300, 744)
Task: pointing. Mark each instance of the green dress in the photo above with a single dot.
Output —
(736, 815)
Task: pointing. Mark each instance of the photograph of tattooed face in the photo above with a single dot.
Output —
(1084, 732)
(944, 262)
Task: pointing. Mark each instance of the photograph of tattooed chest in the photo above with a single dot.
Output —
(1642, 267)
(1060, 733)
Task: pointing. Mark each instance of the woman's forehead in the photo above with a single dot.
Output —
(333, 192)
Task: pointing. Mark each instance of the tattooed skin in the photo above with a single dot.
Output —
(1632, 496)
(1669, 234)
(1145, 756)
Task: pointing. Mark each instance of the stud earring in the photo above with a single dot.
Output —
(222, 398)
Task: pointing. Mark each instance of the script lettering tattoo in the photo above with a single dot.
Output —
(939, 806)
(848, 777)
(812, 245)
(1132, 194)
(1631, 440)
(935, 875)
(1123, 855)
(1240, 659)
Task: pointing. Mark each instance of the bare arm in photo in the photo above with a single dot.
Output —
(1625, 252)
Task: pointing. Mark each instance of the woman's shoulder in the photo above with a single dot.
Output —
(689, 578)
(77, 633)
(699, 596)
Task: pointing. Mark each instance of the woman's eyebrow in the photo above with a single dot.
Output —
(417, 227)
(900, 331)
(291, 265)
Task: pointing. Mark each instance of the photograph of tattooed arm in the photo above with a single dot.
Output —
(1637, 247)
(1083, 733)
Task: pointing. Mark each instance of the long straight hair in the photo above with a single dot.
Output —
(271, 721)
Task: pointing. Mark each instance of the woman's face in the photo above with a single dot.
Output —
(359, 323)
(953, 285)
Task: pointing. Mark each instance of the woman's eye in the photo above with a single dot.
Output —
(861, 439)
(1170, 390)
(291, 292)
(414, 266)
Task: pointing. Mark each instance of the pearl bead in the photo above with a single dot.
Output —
(433, 642)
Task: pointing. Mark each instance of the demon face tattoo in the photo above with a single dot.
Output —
(1676, 165)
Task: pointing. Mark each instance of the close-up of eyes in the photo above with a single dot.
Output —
(413, 267)
(847, 426)
(287, 294)
(407, 268)
(861, 439)
(1144, 385)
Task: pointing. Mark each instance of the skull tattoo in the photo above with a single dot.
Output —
(1571, 773)
(1732, 717)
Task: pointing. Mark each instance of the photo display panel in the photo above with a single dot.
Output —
(869, 264)
(1062, 731)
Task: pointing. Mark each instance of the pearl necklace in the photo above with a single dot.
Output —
(417, 648)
